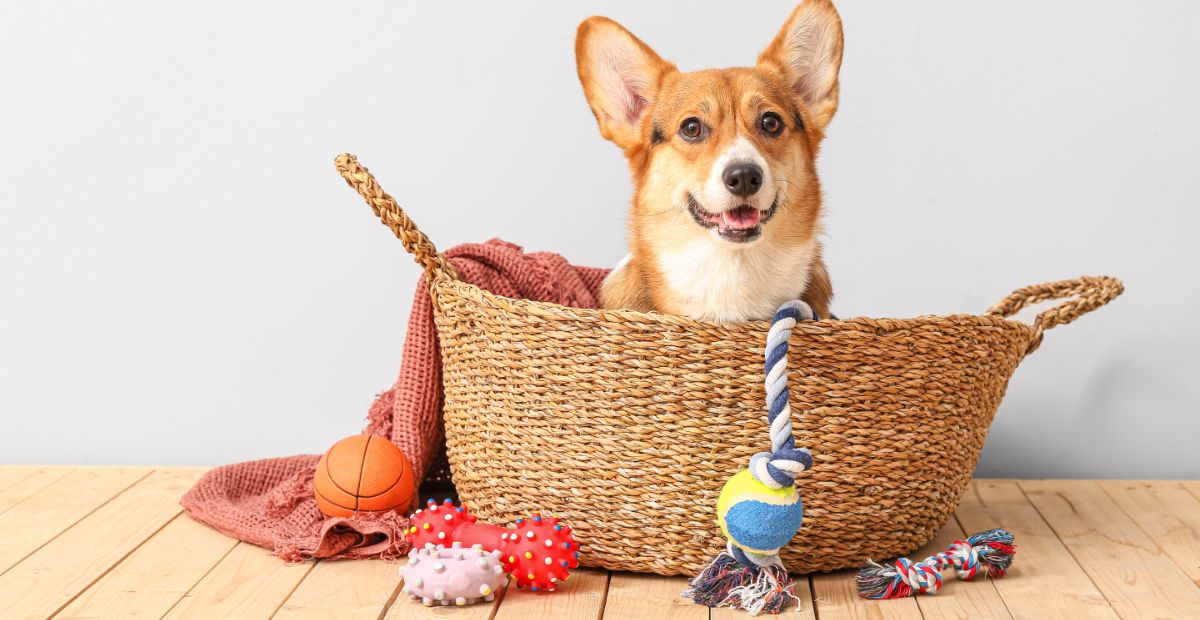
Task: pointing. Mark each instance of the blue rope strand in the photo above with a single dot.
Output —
(779, 467)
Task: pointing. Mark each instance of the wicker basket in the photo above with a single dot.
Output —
(626, 424)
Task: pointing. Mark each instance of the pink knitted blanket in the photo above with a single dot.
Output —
(270, 502)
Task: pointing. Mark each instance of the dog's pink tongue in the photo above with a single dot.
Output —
(744, 216)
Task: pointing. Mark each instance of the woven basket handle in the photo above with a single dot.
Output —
(1083, 294)
(437, 268)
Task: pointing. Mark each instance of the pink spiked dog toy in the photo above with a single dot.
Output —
(539, 552)
(453, 575)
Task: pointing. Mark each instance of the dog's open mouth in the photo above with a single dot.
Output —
(739, 225)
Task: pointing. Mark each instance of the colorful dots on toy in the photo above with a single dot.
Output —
(455, 575)
(435, 523)
(538, 553)
(363, 474)
(534, 563)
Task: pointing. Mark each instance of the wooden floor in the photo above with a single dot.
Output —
(113, 542)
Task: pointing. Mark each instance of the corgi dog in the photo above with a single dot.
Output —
(726, 203)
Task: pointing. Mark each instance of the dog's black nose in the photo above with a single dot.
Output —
(742, 179)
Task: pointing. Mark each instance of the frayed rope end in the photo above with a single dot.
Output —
(996, 550)
(725, 582)
(876, 581)
(988, 553)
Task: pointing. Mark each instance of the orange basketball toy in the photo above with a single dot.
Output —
(363, 474)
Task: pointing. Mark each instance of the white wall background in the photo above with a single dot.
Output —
(185, 279)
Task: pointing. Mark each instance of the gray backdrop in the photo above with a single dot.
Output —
(186, 280)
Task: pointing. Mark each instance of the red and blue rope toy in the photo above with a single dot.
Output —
(987, 554)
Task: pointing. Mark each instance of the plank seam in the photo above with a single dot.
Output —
(39, 489)
(1188, 488)
(74, 523)
(1070, 551)
(114, 565)
(604, 595)
(295, 587)
(387, 605)
(499, 600)
(992, 582)
(812, 591)
(201, 579)
(1162, 550)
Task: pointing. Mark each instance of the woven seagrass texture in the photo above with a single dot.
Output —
(627, 424)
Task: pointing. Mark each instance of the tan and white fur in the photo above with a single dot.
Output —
(727, 204)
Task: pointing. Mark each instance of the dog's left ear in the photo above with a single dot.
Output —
(620, 76)
(808, 51)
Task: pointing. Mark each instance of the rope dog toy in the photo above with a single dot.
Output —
(758, 509)
(987, 553)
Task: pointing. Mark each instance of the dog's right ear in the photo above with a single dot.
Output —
(620, 76)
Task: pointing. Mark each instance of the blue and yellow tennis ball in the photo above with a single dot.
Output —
(755, 517)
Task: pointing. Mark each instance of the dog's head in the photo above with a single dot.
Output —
(722, 152)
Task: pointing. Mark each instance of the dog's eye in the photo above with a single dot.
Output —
(771, 124)
(691, 129)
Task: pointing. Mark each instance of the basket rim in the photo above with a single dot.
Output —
(1081, 295)
(683, 323)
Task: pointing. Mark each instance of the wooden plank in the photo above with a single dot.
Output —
(13, 473)
(1168, 513)
(1045, 581)
(248, 583)
(806, 611)
(958, 599)
(47, 580)
(837, 598)
(1193, 487)
(406, 607)
(345, 589)
(18, 483)
(650, 597)
(48, 512)
(156, 575)
(581, 597)
(1136, 577)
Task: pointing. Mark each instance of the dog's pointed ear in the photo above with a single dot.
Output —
(808, 51)
(620, 76)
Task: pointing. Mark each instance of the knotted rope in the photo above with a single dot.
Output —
(988, 553)
(749, 575)
(779, 467)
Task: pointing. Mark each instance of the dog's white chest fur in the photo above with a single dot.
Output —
(716, 281)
